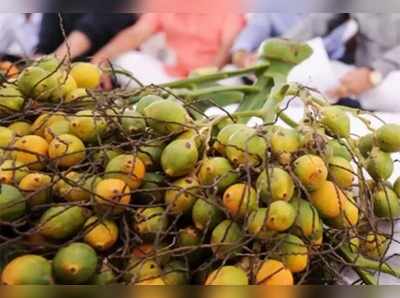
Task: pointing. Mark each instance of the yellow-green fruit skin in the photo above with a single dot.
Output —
(37, 188)
(206, 215)
(86, 75)
(166, 117)
(77, 95)
(37, 83)
(149, 191)
(133, 122)
(280, 216)
(386, 203)
(308, 224)
(396, 187)
(27, 270)
(284, 141)
(193, 135)
(87, 126)
(7, 137)
(75, 264)
(294, 253)
(341, 172)
(76, 187)
(140, 269)
(329, 200)
(374, 246)
(181, 198)
(145, 101)
(227, 276)
(49, 63)
(277, 185)
(348, 216)
(150, 220)
(150, 154)
(334, 148)
(62, 222)
(100, 234)
(128, 168)
(12, 171)
(387, 138)
(217, 171)
(56, 128)
(226, 238)
(103, 278)
(12, 203)
(176, 273)
(336, 121)
(179, 158)
(67, 150)
(311, 171)
(240, 199)
(245, 147)
(224, 135)
(256, 224)
(380, 165)
(365, 144)
(11, 99)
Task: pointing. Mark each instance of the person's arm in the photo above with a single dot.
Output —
(129, 39)
(76, 45)
(50, 35)
(388, 62)
(361, 79)
(92, 32)
(258, 29)
(314, 25)
(231, 28)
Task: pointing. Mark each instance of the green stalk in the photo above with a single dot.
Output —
(364, 263)
(256, 101)
(367, 277)
(215, 76)
(289, 121)
(218, 89)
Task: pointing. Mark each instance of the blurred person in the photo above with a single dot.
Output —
(260, 26)
(373, 79)
(86, 33)
(195, 40)
(18, 34)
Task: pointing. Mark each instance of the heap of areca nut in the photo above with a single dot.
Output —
(141, 187)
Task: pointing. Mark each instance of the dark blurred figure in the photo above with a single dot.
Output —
(86, 33)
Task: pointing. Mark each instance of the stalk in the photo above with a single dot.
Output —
(367, 277)
(364, 263)
(215, 76)
(219, 89)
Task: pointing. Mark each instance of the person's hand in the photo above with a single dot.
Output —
(243, 59)
(99, 59)
(353, 83)
(106, 80)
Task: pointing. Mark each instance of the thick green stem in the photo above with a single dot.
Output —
(364, 263)
(215, 76)
(367, 277)
(219, 89)
(289, 121)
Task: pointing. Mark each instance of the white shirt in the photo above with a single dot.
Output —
(19, 35)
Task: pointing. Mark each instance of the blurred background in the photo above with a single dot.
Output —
(356, 58)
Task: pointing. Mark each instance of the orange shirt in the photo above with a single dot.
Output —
(195, 38)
